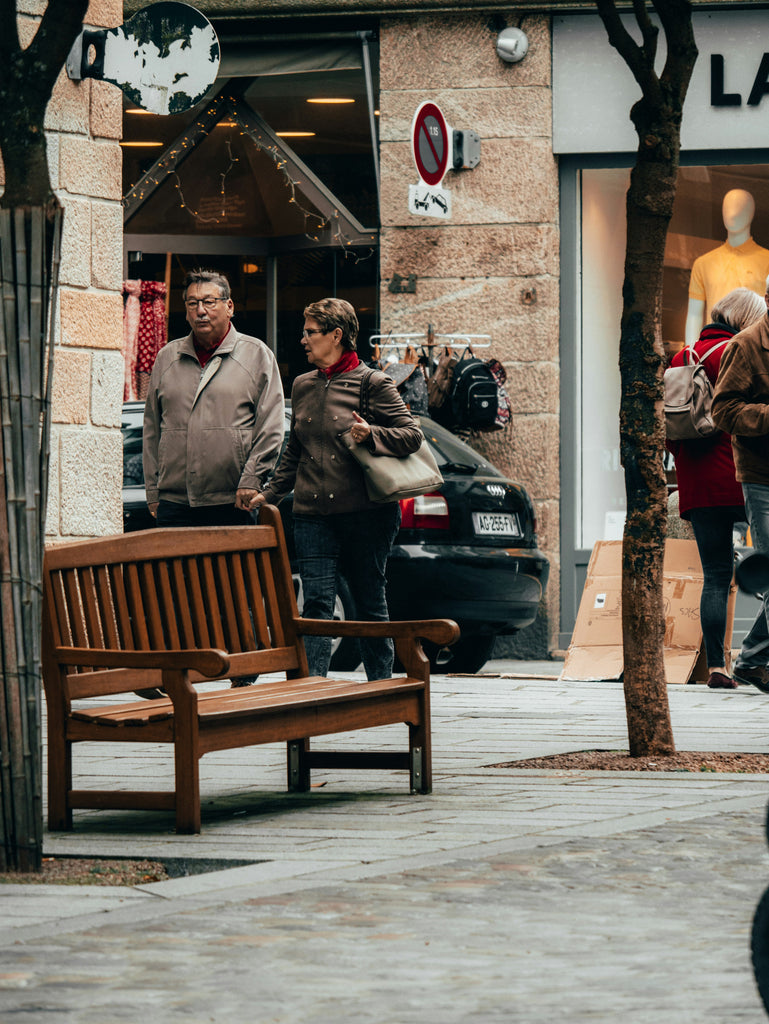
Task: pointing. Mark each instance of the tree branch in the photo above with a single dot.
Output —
(640, 59)
(9, 34)
(675, 16)
(47, 53)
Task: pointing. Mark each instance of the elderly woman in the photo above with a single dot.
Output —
(709, 495)
(337, 528)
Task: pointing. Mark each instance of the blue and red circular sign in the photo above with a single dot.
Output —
(430, 137)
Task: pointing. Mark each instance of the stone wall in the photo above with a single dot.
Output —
(493, 268)
(83, 127)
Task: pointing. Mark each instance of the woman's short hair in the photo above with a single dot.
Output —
(207, 277)
(332, 313)
(738, 309)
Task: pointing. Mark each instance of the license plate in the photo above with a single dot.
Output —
(496, 524)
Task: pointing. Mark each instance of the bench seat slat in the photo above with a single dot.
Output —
(250, 700)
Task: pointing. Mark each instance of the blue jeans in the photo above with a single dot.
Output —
(713, 531)
(355, 545)
(755, 646)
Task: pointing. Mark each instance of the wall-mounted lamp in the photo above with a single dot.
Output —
(512, 45)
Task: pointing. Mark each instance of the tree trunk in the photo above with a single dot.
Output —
(29, 259)
(642, 445)
(657, 120)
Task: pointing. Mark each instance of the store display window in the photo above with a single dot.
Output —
(696, 228)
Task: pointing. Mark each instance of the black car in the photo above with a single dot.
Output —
(467, 552)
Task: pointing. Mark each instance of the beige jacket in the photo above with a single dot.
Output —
(315, 464)
(741, 401)
(209, 431)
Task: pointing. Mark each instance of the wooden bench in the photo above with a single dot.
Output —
(172, 608)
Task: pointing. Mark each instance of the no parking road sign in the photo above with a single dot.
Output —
(431, 140)
(431, 143)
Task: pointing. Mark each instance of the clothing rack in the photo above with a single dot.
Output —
(423, 342)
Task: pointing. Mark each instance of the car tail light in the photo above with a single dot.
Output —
(427, 512)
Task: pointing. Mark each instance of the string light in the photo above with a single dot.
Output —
(202, 127)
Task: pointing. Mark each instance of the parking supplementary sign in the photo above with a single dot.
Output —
(431, 142)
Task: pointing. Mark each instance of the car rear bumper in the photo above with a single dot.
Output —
(488, 589)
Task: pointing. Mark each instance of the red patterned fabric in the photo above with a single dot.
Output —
(152, 332)
(131, 313)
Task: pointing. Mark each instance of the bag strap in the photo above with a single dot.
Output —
(363, 403)
(710, 351)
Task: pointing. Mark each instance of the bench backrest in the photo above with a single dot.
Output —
(173, 589)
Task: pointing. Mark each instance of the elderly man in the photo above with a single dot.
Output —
(741, 408)
(213, 419)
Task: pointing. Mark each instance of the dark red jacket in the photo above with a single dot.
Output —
(705, 469)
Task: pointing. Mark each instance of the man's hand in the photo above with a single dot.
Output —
(153, 507)
(247, 499)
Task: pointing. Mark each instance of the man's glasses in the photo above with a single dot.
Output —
(313, 330)
(208, 303)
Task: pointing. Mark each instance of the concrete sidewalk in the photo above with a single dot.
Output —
(508, 894)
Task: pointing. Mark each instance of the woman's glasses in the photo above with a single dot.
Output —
(312, 330)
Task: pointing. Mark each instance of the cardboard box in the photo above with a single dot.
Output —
(595, 651)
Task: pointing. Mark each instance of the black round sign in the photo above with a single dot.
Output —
(430, 140)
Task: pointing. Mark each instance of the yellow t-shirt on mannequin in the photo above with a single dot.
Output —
(729, 266)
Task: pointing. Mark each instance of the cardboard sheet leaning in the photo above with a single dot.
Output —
(595, 651)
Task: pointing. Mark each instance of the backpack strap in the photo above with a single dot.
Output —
(701, 359)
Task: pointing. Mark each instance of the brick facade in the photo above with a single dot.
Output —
(494, 267)
(84, 125)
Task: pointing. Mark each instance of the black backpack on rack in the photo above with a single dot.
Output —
(474, 395)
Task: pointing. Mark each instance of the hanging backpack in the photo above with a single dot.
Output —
(474, 396)
(689, 397)
(504, 415)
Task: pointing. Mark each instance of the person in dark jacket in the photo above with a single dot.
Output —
(337, 528)
(709, 495)
(741, 407)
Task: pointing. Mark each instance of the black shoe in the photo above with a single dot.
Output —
(243, 681)
(758, 677)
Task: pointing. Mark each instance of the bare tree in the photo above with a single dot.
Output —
(30, 230)
(657, 120)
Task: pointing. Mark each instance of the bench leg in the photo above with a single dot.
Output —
(420, 759)
(59, 782)
(186, 766)
(298, 769)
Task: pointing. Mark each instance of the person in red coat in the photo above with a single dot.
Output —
(708, 493)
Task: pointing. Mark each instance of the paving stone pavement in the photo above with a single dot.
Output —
(506, 895)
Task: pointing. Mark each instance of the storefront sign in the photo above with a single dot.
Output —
(727, 104)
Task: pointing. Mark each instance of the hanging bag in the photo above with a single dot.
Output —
(389, 477)
(689, 398)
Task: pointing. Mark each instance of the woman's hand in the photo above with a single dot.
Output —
(248, 499)
(361, 431)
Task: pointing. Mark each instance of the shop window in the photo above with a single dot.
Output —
(695, 228)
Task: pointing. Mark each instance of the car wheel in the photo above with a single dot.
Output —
(345, 653)
(469, 654)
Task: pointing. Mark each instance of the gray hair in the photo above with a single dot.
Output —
(208, 277)
(738, 309)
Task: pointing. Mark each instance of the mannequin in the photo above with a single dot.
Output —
(738, 263)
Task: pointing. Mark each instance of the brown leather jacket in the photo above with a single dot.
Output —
(315, 463)
(741, 401)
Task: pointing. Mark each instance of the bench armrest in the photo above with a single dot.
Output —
(439, 631)
(207, 661)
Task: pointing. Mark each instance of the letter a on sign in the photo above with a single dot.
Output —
(431, 137)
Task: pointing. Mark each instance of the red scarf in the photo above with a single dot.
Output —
(204, 354)
(347, 362)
